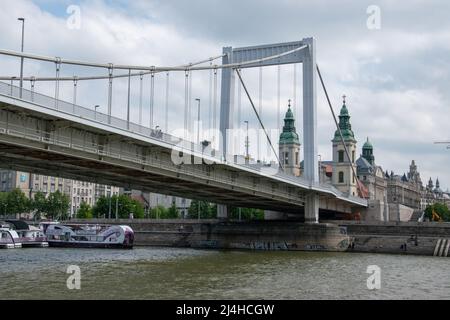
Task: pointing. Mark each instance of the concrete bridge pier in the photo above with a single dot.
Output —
(312, 208)
(223, 212)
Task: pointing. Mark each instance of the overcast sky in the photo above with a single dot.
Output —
(396, 77)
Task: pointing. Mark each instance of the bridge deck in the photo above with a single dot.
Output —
(43, 135)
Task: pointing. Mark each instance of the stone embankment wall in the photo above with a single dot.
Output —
(256, 235)
(420, 238)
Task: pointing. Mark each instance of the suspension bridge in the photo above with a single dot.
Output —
(54, 135)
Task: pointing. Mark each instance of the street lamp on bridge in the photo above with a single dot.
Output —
(247, 144)
(95, 115)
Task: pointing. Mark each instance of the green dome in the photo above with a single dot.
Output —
(368, 145)
(289, 134)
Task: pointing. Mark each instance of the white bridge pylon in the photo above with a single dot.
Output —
(286, 53)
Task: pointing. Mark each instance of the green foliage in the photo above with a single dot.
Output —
(58, 205)
(39, 205)
(3, 203)
(85, 211)
(158, 212)
(247, 214)
(207, 210)
(125, 206)
(441, 209)
(16, 202)
(173, 212)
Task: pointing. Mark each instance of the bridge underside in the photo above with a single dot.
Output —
(51, 164)
(41, 141)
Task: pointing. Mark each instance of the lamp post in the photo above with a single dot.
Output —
(320, 166)
(12, 85)
(22, 59)
(198, 121)
(96, 107)
(247, 143)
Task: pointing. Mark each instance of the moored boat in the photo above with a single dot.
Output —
(89, 236)
(24, 235)
(9, 239)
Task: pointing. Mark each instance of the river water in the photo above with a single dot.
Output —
(169, 273)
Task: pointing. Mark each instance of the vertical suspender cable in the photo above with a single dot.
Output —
(210, 97)
(215, 104)
(278, 97)
(75, 85)
(32, 83)
(110, 88)
(358, 184)
(152, 98)
(186, 102)
(166, 118)
(191, 128)
(260, 113)
(259, 119)
(239, 115)
(128, 100)
(58, 69)
(295, 92)
(141, 89)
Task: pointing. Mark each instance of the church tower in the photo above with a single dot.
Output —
(368, 152)
(289, 145)
(344, 178)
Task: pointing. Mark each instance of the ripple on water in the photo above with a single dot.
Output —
(169, 273)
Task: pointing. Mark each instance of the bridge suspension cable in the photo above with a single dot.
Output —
(215, 103)
(152, 98)
(58, 69)
(110, 92)
(75, 85)
(150, 68)
(128, 99)
(259, 118)
(279, 96)
(358, 184)
(125, 75)
(166, 116)
(186, 103)
(141, 92)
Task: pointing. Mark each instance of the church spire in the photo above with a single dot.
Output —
(289, 134)
(344, 124)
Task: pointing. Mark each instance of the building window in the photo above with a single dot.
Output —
(353, 156)
(286, 158)
(341, 156)
(353, 178)
(341, 177)
(296, 158)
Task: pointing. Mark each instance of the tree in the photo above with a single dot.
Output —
(85, 211)
(158, 212)
(441, 209)
(125, 206)
(39, 205)
(172, 212)
(247, 214)
(3, 203)
(207, 211)
(16, 202)
(58, 205)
